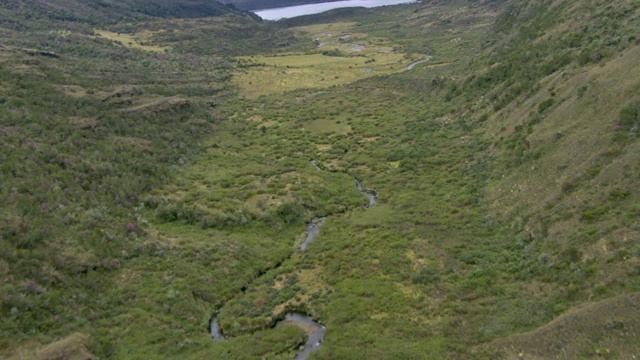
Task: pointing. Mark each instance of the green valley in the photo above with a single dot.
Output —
(162, 162)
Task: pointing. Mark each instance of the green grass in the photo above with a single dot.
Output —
(507, 201)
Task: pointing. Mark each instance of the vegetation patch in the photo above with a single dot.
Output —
(284, 73)
(140, 40)
(603, 329)
(144, 192)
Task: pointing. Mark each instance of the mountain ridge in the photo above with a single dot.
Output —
(111, 11)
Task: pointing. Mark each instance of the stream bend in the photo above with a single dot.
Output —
(413, 64)
(313, 328)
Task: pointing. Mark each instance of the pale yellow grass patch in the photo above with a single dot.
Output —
(378, 316)
(327, 31)
(363, 168)
(417, 262)
(129, 276)
(431, 66)
(63, 33)
(298, 71)
(279, 309)
(323, 147)
(138, 40)
(335, 164)
(278, 284)
(311, 280)
(308, 279)
(157, 237)
(407, 291)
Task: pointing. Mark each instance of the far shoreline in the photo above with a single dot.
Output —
(287, 12)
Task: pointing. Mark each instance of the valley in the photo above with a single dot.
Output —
(468, 172)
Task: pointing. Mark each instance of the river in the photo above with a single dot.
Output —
(413, 64)
(308, 9)
(315, 330)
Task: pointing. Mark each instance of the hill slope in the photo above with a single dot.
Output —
(17, 13)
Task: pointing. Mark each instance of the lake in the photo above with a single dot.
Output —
(299, 10)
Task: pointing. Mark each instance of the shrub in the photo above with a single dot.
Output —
(543, 106)
(629, 116)
(335, 52)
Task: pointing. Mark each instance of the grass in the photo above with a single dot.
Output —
(507, 208)
(262, 75)
(594, 330)
(72, 347)
(556, 181)
(284, 73)
(136, 41)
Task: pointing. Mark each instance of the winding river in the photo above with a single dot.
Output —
(313, 328)
(315, 331)
(313, 229)
(413, 64)
(214, 328)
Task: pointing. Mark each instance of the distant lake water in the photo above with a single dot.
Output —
(293, 11)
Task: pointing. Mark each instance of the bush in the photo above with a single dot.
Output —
(629, 117)
(335, 52)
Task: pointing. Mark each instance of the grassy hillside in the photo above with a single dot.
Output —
(90, 126)
(157, 172)
(38, 13)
